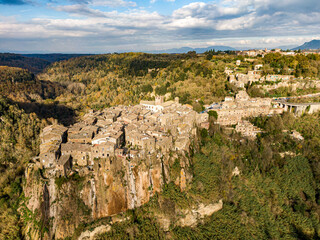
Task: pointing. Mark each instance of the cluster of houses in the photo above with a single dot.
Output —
(153, 127)
(233, 110)
(263, 52)
(247, 129)
(241, 79)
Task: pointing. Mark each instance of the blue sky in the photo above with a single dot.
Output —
(100, 26)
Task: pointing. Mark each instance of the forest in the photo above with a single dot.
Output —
(19, 141)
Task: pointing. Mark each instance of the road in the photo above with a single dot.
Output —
(302, 96)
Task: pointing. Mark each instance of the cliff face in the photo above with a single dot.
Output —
(57, 206)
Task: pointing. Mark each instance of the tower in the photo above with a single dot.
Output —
(159, 100)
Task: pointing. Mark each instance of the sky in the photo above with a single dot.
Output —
(103, 26)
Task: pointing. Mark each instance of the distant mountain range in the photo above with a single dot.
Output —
(198, 50)
(286, 47)
(314, 44)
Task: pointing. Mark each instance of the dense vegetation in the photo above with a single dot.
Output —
(18, 81)
(19, 140)
(105, 80)
(298, 65)
(54, 57)
(34, 65)
(33, 95)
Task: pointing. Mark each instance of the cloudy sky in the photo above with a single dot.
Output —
(100, 26)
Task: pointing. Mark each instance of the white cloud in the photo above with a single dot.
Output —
(236, 22)
(113, 3)
(80, 10)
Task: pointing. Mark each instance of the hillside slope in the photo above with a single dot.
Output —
(314, 44)
(34, 65)
(108, 80)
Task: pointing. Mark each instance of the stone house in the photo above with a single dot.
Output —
(151, 105)
(89, 119)
(247, 129)
(80, 153)
(134, 154)
(142, 141)
(116, 138)
(130, 118)
(182, 143)
(165, 143)
(53, 133)
(80, 138)
(103, 150)
(49, 153)
(85, 135)
(231, 112)
(274, 78)
(64, 165)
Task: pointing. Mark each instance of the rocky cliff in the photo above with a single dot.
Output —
(56, 207)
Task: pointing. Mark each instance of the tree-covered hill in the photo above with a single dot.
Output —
(33, 95)
(18, 82)
(34, 65)
(54, 57)
(113, 79)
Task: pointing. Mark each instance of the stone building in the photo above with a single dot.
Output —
(119, 132)
(247, 129)
(63, 165)
(182, 143)
(53, 133)
(80, 153)
(103, 150)
(84, 135)
(274, 78)
(49, 153)
(233, 111)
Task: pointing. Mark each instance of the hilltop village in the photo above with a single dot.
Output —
(153, 127)
(173, 153)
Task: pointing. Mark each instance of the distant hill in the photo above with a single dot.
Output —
(21, 85)
(34, 65)
(55, 57)
(314, 44)
(198, 50)
(286, 47)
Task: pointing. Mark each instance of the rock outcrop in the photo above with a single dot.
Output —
(112, 186)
